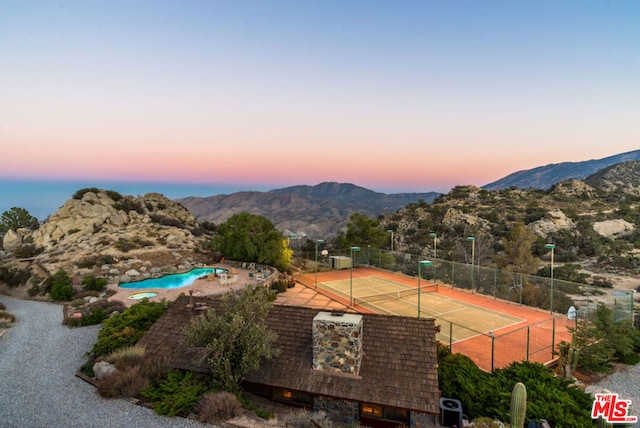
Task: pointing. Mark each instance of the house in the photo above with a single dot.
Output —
(378, 369)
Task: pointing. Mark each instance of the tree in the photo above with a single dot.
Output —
(235, 341)
(16, 218)
(518, 250)
(252, 238)
(362, 230)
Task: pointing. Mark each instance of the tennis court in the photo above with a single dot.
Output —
(490, 331)
(383, 295)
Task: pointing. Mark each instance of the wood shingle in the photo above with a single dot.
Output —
(399, 366)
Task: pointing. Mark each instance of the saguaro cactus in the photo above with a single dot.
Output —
(601, 422)
(568, 360)
(518, 409)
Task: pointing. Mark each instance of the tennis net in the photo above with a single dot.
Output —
(394, 295)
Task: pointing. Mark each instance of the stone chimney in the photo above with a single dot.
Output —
(337, 342)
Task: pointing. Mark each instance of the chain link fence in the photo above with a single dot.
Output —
(535, 342)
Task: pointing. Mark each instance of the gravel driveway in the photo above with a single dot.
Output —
(38, 387)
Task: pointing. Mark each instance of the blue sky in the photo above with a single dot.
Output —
(393, 96)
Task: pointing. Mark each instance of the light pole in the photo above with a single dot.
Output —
(551, 247)
(353, 250)
(420, 263)
(391, 232)
(435, 255)
(318, 241)
(473, 256)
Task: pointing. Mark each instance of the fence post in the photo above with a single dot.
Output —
(528, 339)
(450, 336)
(453, 275)
(495, 282)
(553, 337)
(493, 348)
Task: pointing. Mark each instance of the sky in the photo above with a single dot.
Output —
(395, 96)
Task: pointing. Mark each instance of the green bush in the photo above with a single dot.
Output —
(279, 286)
(177, 393)
(114, 195)
(94, 283)
(26, 251)
(80, 193)
(485, 394)
(87, 262)
(61, 286)
(14, 277)
(125, 245)
(95, 316)
(126, 328)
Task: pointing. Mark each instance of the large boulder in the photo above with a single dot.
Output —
(103, 369)
(11, 241)
(552, 222)
(613, 228)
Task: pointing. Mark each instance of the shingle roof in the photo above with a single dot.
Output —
(399, 367)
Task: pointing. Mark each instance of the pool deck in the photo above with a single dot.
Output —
(299, 295)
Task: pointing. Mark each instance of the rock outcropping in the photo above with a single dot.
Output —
(107, 234)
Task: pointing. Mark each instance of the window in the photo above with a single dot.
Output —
(390, 413)
(372, 410)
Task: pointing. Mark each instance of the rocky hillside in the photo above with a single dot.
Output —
(594, 225)
(619, 178)
(544, 177)
(103, 232)
(311, 211)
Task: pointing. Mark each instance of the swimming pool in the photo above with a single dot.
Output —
(176, 280)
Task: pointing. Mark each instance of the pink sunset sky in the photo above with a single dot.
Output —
(393, 96)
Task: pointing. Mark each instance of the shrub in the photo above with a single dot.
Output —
(106, 259)
(125, 245)
(489, 394)
(279, 286)
(166, 221)
(80, 193)
(94, 283)
(35, 290)
(95, 316)
(61, 286)
(126, 328)
(127, 357)
(27, 251)
(127, 204)
(87, 262)
(215, 407)
(600, 281)
(177, 393)
(6, 318)
(14, 277)
(114, 195)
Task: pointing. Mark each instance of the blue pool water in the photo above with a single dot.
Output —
(172, 281)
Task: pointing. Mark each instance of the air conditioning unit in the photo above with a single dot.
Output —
(450, 412)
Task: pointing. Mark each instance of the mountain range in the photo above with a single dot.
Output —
(303, 210)
(543, 177)
(324, 209)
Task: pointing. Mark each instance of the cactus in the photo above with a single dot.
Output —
(568, 357)
(518, 410)
(601, 422)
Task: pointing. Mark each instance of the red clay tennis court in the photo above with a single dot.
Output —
(494, 333)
